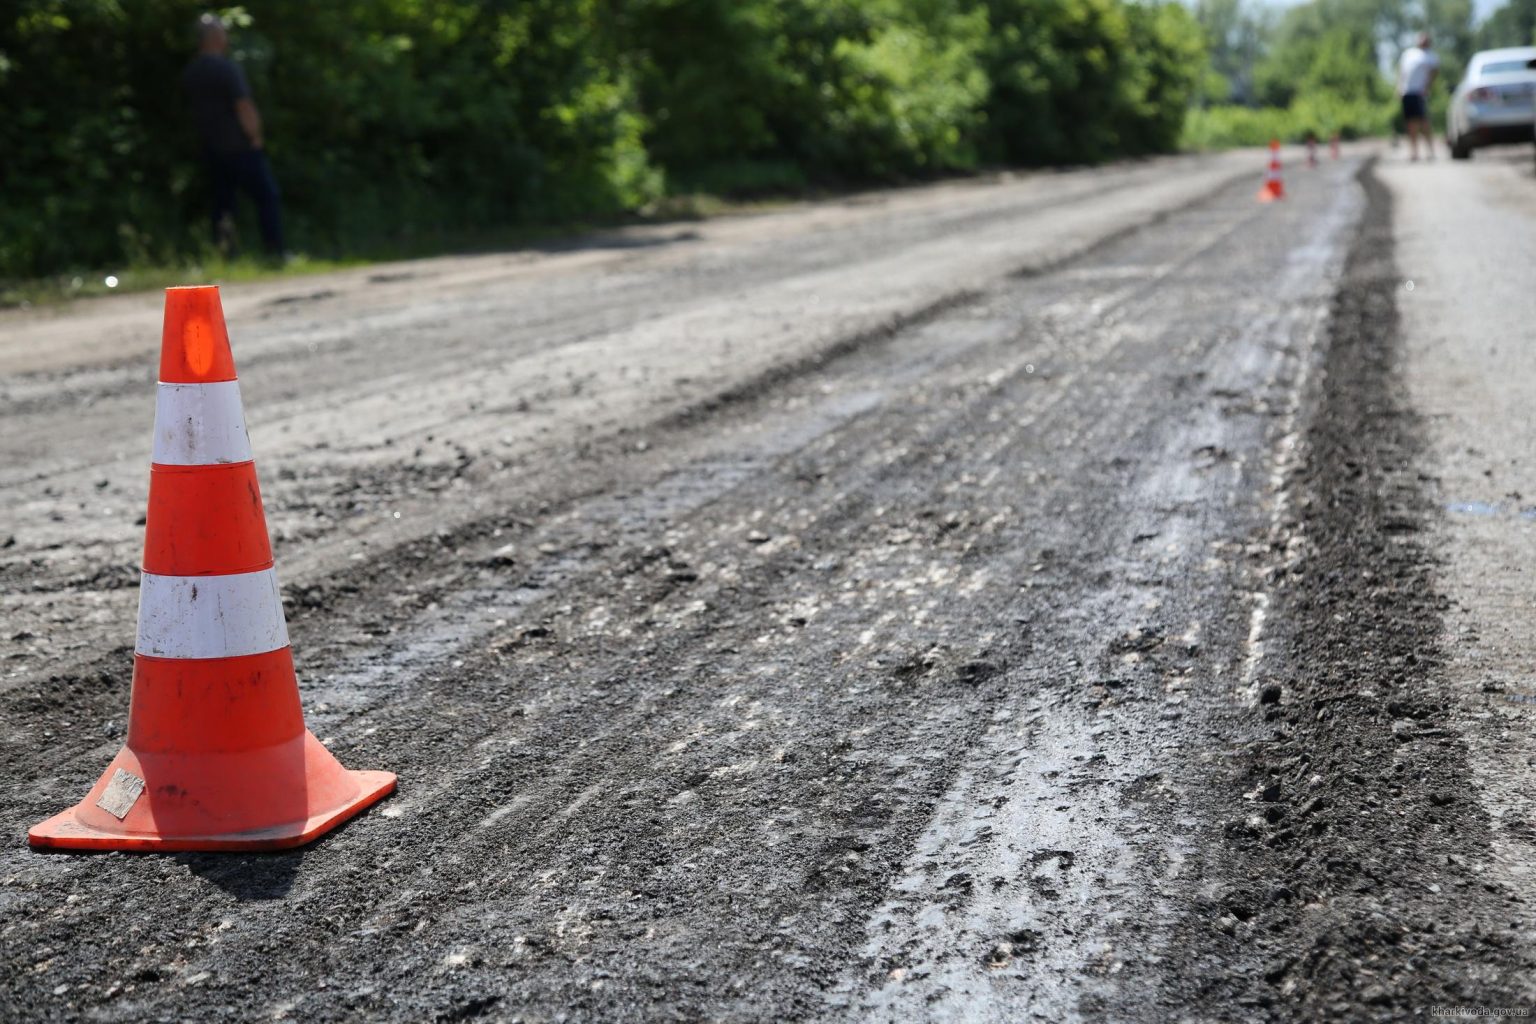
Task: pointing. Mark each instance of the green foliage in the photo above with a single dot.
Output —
(404, 124)
(1319, 49)
(1317, 68)
(1450, 23)
(1084, 80)
(746, 90)
(1235, 37)
(409, 125)
(388, 121)
(922, 108)
(1171, 50)
(1221, 127)
(1513, 24)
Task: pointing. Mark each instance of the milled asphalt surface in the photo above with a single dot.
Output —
(1041, 598)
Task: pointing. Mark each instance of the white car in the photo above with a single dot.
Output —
(1495, 103)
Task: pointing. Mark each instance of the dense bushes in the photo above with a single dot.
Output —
(386, 119)
(407, 122)
(738, 93)
(1088, 79)
(1223, 126)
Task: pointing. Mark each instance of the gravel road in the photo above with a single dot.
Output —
(1077, 596)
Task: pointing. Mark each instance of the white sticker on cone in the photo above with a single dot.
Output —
(122, 790)
(200, 425)
(210, 616)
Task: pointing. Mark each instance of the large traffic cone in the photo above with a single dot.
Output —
(217, 756)
(1274, 187)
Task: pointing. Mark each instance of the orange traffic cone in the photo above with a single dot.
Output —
(1274, 187)
(217, 756)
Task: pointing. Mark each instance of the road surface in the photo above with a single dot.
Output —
(1069, 596)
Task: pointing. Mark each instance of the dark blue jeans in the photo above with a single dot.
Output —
(248, 172)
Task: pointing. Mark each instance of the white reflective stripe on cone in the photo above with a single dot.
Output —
(200, 425)
(210, 616)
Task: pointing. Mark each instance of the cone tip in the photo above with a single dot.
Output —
(194, 344)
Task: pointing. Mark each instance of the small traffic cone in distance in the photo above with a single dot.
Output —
(1274, 186)
(217, 755)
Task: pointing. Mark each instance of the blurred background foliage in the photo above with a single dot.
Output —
(1328, 66)
(401, 126)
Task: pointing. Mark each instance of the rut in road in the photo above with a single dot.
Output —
(885, 690)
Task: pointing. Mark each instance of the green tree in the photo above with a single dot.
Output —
(1513, 24)
(744, 92)
(1072, 80)
(1236, 34)
(412, 122)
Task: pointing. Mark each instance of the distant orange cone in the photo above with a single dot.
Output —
(1274, 187)
(217, 755)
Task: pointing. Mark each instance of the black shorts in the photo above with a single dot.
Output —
(1414, 107)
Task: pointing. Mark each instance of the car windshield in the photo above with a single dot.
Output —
(1504, 67)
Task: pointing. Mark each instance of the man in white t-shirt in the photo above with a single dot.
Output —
(1415, 74)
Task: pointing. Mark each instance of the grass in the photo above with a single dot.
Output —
(1226, 126)
(66, 287)
(86, 284)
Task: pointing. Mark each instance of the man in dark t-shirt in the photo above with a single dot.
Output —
(229, 127)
